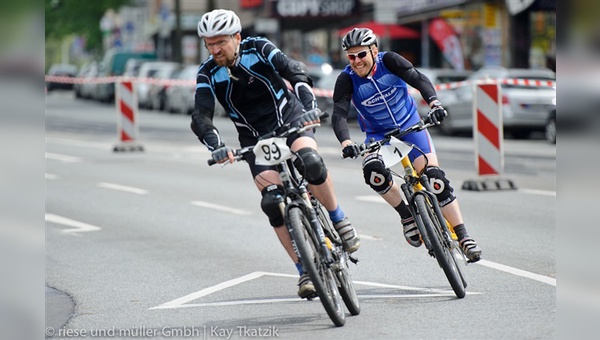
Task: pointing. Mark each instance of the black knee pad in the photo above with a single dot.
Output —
(377, 176)
(440, 185)
(270, 204)
(310, 165)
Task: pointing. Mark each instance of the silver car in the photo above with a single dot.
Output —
(524, 107)
(441, 78)
(180, 97)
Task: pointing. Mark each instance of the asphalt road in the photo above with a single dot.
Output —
(157, 243)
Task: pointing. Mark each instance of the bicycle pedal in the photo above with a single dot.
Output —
(474, 259)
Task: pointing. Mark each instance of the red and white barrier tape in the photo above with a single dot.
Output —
(317, 91)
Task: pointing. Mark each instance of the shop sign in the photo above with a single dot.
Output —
(312, 9)
(404, 8)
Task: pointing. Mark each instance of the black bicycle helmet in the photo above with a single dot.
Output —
(359, 37)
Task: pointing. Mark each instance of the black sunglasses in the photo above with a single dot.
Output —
(361, 55)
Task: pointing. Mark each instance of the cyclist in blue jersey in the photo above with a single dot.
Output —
(377, 84)
(247, 78)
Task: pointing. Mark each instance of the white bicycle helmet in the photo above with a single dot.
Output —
(359, 37)
(219, 22)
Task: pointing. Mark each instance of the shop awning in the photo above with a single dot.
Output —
(383, 30)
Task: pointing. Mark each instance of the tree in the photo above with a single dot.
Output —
(68, 17)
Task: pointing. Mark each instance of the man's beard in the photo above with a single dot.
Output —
(227, 61)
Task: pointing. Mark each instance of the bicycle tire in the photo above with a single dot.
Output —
(310, 257)
(443, 254)
(343, 277)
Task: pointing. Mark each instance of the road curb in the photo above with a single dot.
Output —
(59, 308)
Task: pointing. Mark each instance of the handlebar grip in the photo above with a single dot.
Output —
(211, 162)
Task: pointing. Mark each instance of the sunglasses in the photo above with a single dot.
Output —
(361, 55)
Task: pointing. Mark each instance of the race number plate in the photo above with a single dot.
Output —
(272, 151)
(394, 152)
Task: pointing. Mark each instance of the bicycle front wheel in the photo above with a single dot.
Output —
(321, 276)
(344, 280)
(443, 252)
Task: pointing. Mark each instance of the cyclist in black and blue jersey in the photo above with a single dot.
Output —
(377, 84)
(247, 78)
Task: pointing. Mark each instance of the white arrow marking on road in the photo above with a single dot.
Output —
(220, 207)
(64, 158)
(79, 226)
(123, 188)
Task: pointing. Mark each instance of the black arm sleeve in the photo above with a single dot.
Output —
(405, 70)
(296, 73)
(202, 119)
(342, 94)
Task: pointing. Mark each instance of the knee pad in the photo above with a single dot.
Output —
(270, 204)
(377, 176)
(440, 185)
(310, 165)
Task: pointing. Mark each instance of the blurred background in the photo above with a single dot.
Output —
(448, 40)
(519, 34)
(87, 35)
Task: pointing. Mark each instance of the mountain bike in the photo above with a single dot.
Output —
(437, 234)
(316, 242)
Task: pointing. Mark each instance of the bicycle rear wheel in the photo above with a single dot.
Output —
(344, 280)
(321, 276)
(443, 252)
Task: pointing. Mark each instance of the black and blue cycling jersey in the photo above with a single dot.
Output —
(252, 92)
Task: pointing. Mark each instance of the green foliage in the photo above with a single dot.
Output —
(80, 17)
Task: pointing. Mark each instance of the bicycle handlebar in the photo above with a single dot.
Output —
(397, 133)
(284, 131)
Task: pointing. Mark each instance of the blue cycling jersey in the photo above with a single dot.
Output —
(382, 100)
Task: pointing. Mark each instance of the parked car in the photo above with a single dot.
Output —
(82, 74)
(180, 98)
(524, 108)
(156, 92)
(61, 70)
(437, 76)
(148, 70)
(132, 67)
(113, 64)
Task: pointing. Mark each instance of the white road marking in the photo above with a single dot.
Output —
(220, 207)
(79, 227)
(64, 158)
(519, 272)
(123, 188)
(497, 266)
(373, 198)
(51, 176)
(182, 302)
(538, 192)
(177, 303)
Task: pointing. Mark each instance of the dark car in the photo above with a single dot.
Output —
(61, 70)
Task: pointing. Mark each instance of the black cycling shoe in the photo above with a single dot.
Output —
(470, 249)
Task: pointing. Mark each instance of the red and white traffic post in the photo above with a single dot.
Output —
(127, 109)
(488, 134)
